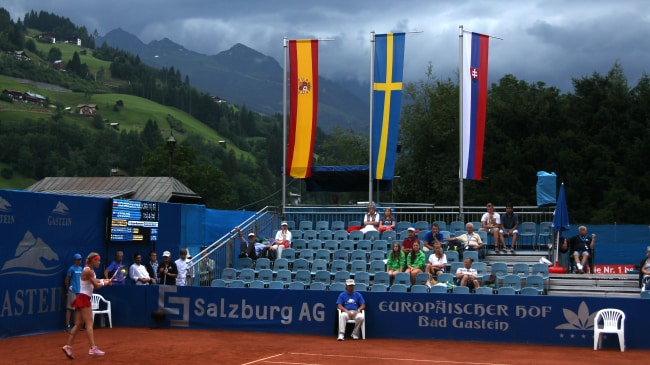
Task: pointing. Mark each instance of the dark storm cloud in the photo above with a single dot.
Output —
(545, 40)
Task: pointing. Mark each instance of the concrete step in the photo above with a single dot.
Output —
(510, 257)
(598, 285)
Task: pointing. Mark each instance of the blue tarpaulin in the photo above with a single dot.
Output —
(545, 188)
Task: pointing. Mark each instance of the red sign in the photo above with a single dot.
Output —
(612, 269)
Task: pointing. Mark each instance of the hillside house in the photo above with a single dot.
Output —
(87, 109)
(218, 100)
(73, 40)
(59, 65)
(34, 98)
(46, 38)
(19, 55)
(16, 95)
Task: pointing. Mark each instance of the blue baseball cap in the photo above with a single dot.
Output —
(77, 256)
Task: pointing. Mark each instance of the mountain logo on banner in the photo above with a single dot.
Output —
(61, 209)
(5, 206)
(33, 257)
(581, 321)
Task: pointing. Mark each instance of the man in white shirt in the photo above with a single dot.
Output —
(491, 222)
(184, 270)
(138, 272)
(467, 276)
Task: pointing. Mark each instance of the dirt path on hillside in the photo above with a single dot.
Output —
(41, 85)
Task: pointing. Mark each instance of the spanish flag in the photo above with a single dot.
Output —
(387, 99)
(303, 91)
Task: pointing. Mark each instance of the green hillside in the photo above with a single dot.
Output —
(133, 115)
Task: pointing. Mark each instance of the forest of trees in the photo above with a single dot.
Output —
(594, 138)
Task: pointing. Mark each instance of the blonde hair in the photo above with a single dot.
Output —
(91, 256)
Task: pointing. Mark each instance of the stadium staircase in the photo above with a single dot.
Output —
(589, 285)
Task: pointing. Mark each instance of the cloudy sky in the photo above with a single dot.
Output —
(543, 40)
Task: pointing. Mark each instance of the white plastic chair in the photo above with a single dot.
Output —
(613, 322)
(95, 305)
(363, 325)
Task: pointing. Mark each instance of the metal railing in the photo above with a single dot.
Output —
(208, 264)
(411, 213)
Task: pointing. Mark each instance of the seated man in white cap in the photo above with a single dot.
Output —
(282, 240)
(351, 304)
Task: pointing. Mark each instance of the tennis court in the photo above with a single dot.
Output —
(177, 346)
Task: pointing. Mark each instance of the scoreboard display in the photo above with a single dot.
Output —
(134, 221)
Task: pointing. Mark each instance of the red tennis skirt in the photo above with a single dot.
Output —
(81, 301)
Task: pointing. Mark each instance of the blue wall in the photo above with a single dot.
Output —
(39, 233)
(546, 320)
(617, 244)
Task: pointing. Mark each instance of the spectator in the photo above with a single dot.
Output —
(138, 272)
(395, 261)
(509, 224)
(387, 222)
(411, 238)
(117, 264)
(470, 240)
(491, 221)
(580, 247)
(247, 248)
(282, 241)
(414, 262)
(437, 261)
(351, 304)
(644, 271)
(206, 268)
(167, 271)
(72, 287)
(431, 237)
(185, 271)
(370, 220)
(152, 266)
(467, 276)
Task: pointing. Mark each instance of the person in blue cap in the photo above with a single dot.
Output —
(72, 287)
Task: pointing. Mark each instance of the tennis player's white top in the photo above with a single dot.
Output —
(87, 285)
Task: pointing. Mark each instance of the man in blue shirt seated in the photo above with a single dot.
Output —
(351, 304)
(431, 237)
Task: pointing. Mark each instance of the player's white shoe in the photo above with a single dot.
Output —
(67, 350)
(96, 351)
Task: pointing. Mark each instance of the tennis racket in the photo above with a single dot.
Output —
(116, 271)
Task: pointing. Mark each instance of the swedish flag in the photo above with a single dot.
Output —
(387, 97)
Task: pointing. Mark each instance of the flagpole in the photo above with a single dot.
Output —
(372, 80)
(460, 124)
(284, 130)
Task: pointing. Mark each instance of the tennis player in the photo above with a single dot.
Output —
(83, 312)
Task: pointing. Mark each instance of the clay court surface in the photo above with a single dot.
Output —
(174, 346)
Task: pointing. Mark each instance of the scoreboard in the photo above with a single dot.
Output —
(134, 221)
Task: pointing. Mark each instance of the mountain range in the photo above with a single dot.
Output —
(244, 76)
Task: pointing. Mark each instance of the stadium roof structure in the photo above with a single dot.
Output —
(343, 178)
(157, 189)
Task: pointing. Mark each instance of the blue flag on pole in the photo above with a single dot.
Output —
(387, 98)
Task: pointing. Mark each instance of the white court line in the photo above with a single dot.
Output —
(400, 359)
(258, 360)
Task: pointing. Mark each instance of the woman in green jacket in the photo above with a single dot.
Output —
(395, 262)
(415, 262)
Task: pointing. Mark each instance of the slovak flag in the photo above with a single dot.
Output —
(475, 81)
